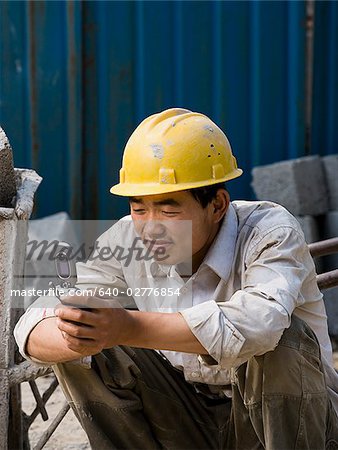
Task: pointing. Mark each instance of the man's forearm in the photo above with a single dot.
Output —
(46, 343)
(162, 331)
(78, 333)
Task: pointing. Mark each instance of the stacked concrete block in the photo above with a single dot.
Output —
(330, 164)
(310, 229)
(330, 229)
(297, 184)
(330, 262)
(308, 188)
(331, 306)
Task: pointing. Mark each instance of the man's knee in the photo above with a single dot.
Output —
(284, 391)
(293, 368)
(109, 372)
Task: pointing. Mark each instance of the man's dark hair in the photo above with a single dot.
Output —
(205, 194)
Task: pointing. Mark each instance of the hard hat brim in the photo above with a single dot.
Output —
(141, 189)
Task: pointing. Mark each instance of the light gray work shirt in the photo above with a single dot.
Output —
(257, 273)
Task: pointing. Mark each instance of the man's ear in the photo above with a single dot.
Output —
(220, 204)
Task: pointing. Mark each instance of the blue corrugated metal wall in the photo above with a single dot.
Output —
(77, 77)
(325, 111)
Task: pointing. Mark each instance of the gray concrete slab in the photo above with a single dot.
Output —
(7, 176)
(331, 305)
(309, 225)
(310, 228)
(297, 184)
(330, 164)
(330, 230)
(13, 238)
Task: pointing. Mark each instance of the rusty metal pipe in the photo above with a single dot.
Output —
(328, 279)
(323, 248)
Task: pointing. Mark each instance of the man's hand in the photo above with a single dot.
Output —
(88, 332)
(77, 332)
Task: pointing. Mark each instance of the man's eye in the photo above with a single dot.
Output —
(170, 213)
(138, 211)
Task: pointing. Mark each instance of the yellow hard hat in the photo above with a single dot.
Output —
(175, 150)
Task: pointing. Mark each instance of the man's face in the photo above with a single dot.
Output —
(173, 225)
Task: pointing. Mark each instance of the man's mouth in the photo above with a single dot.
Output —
(154, 244)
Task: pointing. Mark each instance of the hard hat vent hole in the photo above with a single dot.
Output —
(212, 145)
(209, 156)
(219, 153)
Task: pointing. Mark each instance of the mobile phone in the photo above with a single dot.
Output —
(66, 274)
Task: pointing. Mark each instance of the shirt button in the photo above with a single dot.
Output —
(194, 374)
(183, 290)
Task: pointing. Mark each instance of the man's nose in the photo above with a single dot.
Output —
(154, 229)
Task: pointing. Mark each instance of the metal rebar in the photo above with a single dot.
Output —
(52, 427)
(328, 280)
(323, 248)
(39, 402)
(45, 397)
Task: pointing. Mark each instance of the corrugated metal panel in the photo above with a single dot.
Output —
(40, 92)
(325, 99)
(13, 75)
(77, 77)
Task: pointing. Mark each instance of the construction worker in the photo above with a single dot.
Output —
(228, 347)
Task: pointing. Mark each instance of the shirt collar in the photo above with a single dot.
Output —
(220, 255)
